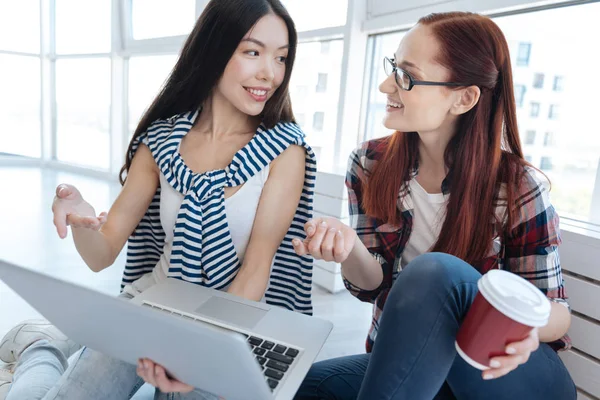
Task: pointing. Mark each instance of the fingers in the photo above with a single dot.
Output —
(167, 385)
(517, 353)
(328, 244)
(311, 226)
(63, 190)
(496, 373)
(324, 241)
(78, 221)
(527, 345)
(300, 247)
(145, 371)
(314, 247)
(60, 222)
(339, 249)
(156, 376)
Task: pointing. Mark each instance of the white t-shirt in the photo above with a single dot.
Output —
(429, 211)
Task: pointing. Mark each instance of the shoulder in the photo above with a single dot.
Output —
(532, 187)
(291, 160)
(363, 158)
(163, 128)
(289, 132)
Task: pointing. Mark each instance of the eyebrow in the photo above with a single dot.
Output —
(261, 44)
(407, 64)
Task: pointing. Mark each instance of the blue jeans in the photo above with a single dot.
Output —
(414, 356)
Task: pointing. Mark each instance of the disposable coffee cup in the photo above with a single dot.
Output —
(505, 310)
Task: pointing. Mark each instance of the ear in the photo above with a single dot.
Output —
(467, 99)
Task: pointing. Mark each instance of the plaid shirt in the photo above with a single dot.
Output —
(530, 251)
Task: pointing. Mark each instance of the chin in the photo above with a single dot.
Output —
(251, 110)
(389, 123)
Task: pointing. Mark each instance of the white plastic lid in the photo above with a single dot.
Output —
(515, 297)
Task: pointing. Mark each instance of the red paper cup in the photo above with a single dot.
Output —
(504, 311)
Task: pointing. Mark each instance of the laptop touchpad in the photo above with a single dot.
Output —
(231, 312)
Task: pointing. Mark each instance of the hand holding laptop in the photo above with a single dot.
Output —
(156, 376)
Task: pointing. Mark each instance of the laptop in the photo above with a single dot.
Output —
(214, 341)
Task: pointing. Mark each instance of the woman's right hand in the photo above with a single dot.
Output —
(327, 239)
(69, 208)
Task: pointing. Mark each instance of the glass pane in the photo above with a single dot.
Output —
(20, 26)
(385, 45)
(146, 76)
(83, 111)
(568, 108)
(83, 26)
(20, 105)
(314, 89)
(330, 13)
(177, 17)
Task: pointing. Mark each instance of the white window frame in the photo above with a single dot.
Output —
(362, 23)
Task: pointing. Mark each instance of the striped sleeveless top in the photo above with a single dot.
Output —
(202, 249)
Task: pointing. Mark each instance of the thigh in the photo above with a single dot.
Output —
(544, 376)
(195, 395)
(335, 379)
(93, 375)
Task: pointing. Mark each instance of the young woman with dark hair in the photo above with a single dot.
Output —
(219, 179)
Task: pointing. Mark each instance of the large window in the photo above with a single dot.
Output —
(83, 111)
(315, 88)
(83, 27)
(159, 18)
(571, 154)
(316, 14)
(572, 144)
(20, 26)
(146, 76)
(384, 45)
(20, 105)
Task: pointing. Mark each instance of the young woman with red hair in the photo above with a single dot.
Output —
(440, 202)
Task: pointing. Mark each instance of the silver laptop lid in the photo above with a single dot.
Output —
(201, 355)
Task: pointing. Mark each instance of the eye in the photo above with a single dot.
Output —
(253, 53)
(282, 59)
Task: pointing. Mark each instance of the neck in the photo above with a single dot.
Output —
(220, 118)
(432, 150)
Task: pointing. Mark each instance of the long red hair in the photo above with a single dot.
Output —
(484, 153)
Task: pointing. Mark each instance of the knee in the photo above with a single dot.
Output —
(434, 272)
(333, 379)
(439, 267)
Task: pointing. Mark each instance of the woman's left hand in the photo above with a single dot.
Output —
(155, 375)
(518, 353)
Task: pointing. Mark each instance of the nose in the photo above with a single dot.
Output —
(266, 72)
(388, 86)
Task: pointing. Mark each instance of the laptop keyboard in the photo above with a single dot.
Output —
(274, 358)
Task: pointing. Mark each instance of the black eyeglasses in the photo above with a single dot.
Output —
(405, 81)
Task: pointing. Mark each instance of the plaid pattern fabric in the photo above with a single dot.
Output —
(530, 251)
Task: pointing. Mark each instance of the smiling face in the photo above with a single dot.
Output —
(424, 108)
(257, 67)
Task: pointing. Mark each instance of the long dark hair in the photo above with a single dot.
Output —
(483, 154)
(206, 52)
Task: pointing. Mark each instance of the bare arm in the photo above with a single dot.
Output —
(100, 248)
(361, 269)
(558, 324)
(276, 209)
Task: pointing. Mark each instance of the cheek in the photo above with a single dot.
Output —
(237, 71)
(427, 107)
(279, 75)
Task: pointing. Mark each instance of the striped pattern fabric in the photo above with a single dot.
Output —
(202, 250)
(530, 251)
